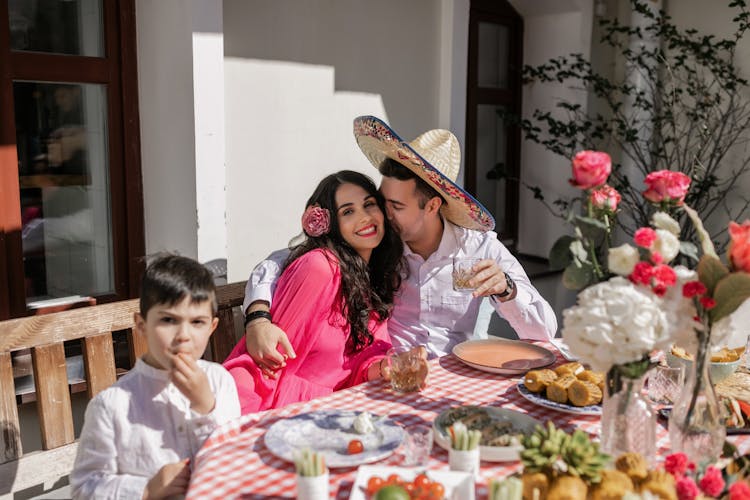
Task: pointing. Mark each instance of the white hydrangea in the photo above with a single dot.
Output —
(615, 322)
(666, 244)
(662, 220)
(621, 260)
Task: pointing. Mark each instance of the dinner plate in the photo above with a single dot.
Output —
(329, 432)
(505, 357)
(567, 408)
(521, 422)
(458, 485)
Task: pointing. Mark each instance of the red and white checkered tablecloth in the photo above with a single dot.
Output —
(235, 463)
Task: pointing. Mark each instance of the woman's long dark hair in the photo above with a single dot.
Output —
(364, 287)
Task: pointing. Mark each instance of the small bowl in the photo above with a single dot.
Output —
(718, 371)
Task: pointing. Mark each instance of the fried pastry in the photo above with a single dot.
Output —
(573, 368)
(583, 393)
(538, 380)
(558, 390)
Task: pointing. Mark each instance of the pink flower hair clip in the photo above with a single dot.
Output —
(316, 221)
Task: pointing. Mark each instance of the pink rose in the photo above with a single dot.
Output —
(590, 169)
(316, 221)
(666, 186)
(712, 484)
(739, 491)
(644, 237)
(686, 488)
(605, 198)
(739, 247)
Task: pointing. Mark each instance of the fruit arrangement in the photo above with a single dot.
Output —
(569, 383)
(394, 487)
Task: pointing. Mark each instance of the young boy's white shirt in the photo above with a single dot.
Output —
(141, 423)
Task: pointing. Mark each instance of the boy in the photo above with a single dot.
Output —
(139, 434)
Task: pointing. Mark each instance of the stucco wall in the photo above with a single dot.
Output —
(389, 47)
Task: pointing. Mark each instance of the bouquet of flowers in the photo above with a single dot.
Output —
(711, 481)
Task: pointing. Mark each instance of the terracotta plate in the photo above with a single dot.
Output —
(505, 357)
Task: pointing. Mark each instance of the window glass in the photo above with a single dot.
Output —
(491, 161)
(57, 26)
(61, 136)
(492, 65)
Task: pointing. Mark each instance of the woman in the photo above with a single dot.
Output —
(333, 298)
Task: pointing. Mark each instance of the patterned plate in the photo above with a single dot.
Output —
(329, 432)
(542, 401)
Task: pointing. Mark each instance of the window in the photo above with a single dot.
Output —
(71, 215)
(494, 88)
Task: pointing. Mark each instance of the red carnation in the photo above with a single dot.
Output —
(693, 288)
(642, 273)
(686, 488)
(739, 490)
(644, 237)
(712, 484)
(676, 464)
(707, 303)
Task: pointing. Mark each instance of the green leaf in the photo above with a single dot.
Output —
(710, 271)
(689, 250)
(577, 277)
(730, 293)
(560, 255)
(590, 227)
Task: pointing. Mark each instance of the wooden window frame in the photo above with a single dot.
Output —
(116, 70)
(498, 12)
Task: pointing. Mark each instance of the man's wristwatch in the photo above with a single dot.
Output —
(510, 285)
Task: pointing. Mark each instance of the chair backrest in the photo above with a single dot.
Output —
(44, 336)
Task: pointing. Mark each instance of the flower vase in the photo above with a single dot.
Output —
(628, 420)
(695, 424)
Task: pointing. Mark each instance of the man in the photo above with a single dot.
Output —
(437, 221)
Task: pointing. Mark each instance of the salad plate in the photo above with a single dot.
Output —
(458, 485)
(502, 356)
(329, 432)
(497, 426)
(554, 405)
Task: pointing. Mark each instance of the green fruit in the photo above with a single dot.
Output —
(391, 492)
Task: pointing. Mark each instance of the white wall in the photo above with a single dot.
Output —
(390, 47)
(286, 129)
(180, 84)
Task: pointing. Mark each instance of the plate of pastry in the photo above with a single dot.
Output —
(569, 388)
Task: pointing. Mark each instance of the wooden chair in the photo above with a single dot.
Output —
(44, 336)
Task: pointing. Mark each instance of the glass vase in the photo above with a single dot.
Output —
(628, 420)
(695, 424)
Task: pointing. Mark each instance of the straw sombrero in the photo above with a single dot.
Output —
(435, 157)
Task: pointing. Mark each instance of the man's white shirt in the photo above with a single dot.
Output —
(427, 310)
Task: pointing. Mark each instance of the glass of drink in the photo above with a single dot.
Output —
(463, 271)
(665, 383)
(405, 365)
(417, 445)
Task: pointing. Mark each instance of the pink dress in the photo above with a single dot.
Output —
(305, 306)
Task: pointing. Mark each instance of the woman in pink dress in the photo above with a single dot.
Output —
(333, 298)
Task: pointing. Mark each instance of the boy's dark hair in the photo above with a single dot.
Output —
(170, 278)
(392, 168)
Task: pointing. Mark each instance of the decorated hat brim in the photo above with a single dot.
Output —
(378, 142)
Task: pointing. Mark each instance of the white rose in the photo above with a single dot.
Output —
(666, 244)
(621, 260)
(662, 220)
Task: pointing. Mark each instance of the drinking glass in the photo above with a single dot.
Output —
(665, 383)
(463, 272)
(405, 365)
(417, 445)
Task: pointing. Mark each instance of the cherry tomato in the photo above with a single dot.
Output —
(355, 446)
(437, 490)
(422, 481)
(374, 484)
(393, 479)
